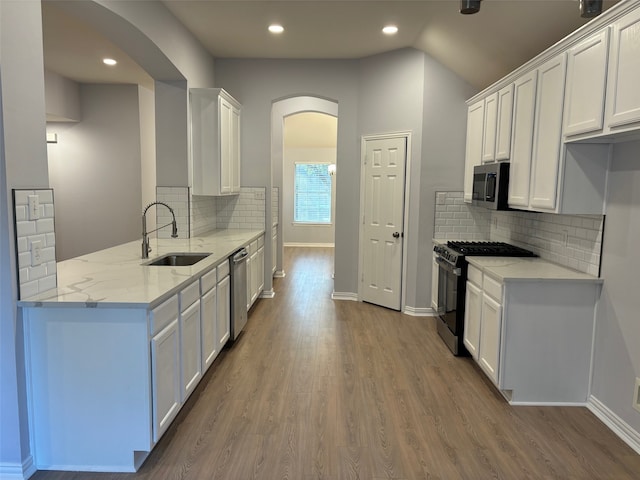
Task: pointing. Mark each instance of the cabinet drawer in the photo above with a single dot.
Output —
(493, 288)
(163, 314)
(261, 241)
(208, 281)
(223, 270)
(189, 295)
(474, 275)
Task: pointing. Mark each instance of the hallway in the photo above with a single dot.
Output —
(322, 389)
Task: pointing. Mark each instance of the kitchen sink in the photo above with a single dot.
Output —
(178, 259)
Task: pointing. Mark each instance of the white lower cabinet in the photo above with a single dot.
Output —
(208, 317)
(190, 343)
(472, 317)
(490, 329)
(165, 372)
(223, 324)
(532, 337)
(255, 270)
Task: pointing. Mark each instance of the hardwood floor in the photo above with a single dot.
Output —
(322, 389)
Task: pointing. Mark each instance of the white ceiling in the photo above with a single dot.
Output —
(481, 48)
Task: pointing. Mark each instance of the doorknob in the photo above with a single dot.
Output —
(396, 234)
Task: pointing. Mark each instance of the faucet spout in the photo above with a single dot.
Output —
(146, 248)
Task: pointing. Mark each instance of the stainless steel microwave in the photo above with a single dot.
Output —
(491, 185)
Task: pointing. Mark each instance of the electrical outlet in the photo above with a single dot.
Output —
(36, 253)
(34, 207)
(636, 395)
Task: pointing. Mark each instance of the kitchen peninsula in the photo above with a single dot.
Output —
(116, 349)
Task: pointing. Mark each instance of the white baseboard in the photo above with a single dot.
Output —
(615, 423)
(310, 245)
(267, 294)
(344, 296)
(17, 471)
(419, 312)
(279, 274)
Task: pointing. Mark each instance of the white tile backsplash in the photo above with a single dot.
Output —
(34, 279)
(246, 210)
(574, 241)
(456, 220)
(275, 203)
(178, 199)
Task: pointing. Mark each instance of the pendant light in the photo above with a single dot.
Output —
(590, 8)
(468, 7)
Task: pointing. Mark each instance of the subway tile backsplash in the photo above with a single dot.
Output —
(574, 241)
(196, 214)
(35, 274)
(456, 220)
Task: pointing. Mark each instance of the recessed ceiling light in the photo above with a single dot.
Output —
(275, 28)
(109, 61)
(390, 30)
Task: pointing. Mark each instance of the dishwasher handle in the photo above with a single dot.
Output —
(240, 256)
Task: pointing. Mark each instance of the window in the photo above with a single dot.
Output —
(312, 193)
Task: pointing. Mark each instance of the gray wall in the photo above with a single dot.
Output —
(617, 345)
(256, 84)
(379, 94)
(95, 171)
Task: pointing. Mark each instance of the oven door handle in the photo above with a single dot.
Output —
(448, 267)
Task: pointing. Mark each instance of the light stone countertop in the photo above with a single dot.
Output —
(117, 277)
(527, 269)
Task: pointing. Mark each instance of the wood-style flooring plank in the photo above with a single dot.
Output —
(337, 390)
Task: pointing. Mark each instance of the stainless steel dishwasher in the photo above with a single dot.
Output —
(238, 292)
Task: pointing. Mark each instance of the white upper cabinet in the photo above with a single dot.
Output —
(490, 125)
(504, 123)
(585, 85)
(473, 157)
(547, 141)
(524, 101)
(623, 94)
(215, 142)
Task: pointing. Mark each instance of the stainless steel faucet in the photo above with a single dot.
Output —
(145, 235)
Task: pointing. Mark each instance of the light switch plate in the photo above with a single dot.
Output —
(36, 253)
(34, 207)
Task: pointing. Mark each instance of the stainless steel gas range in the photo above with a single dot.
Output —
(452, 282)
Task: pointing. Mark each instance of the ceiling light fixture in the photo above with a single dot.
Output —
(467, 7)
(275, 28)
(590, 8)
(390, 30)
(109, 61)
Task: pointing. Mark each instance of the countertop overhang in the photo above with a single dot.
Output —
(117, 277)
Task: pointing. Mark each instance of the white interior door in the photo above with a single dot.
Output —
(383, 221)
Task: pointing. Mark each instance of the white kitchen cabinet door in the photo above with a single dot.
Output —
(165, 377)
(473, 156)
(623, 94)
(190, 344)
(215, 142)
(524, 100)
(472, 319)
(249, 283)
(504, 122)
(234, 147)
(489, 129)
(586, 85)
(490, 330)
(223, 326)
(547, 143)
(208, 312)
(255, 270)
(260, 260)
